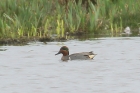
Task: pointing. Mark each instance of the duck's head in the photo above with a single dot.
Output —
(63, 50)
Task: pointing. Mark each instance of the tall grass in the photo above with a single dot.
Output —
(41, 18)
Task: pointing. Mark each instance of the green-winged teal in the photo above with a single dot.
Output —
(81, 56)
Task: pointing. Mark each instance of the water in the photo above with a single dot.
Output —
(34, 68)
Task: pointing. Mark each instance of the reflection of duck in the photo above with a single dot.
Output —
(81, 56)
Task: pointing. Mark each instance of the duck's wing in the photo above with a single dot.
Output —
(82, 56)
(87, 53)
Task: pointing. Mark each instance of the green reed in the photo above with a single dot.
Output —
(60, 27)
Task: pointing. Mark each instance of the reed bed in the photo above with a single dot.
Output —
(44, 18)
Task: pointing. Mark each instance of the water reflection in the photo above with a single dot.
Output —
(3, 49)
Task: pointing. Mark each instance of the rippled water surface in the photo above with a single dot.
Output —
(34, 68)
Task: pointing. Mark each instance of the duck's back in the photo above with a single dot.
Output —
(82, 56)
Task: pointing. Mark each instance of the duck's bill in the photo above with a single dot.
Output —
(57, 53)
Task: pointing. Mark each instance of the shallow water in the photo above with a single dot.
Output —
(34, 68)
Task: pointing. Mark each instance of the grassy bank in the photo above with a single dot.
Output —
(44, 18)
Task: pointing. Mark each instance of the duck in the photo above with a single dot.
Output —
(76, 56)
(127, 30)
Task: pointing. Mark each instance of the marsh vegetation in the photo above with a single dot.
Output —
(50, 19)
